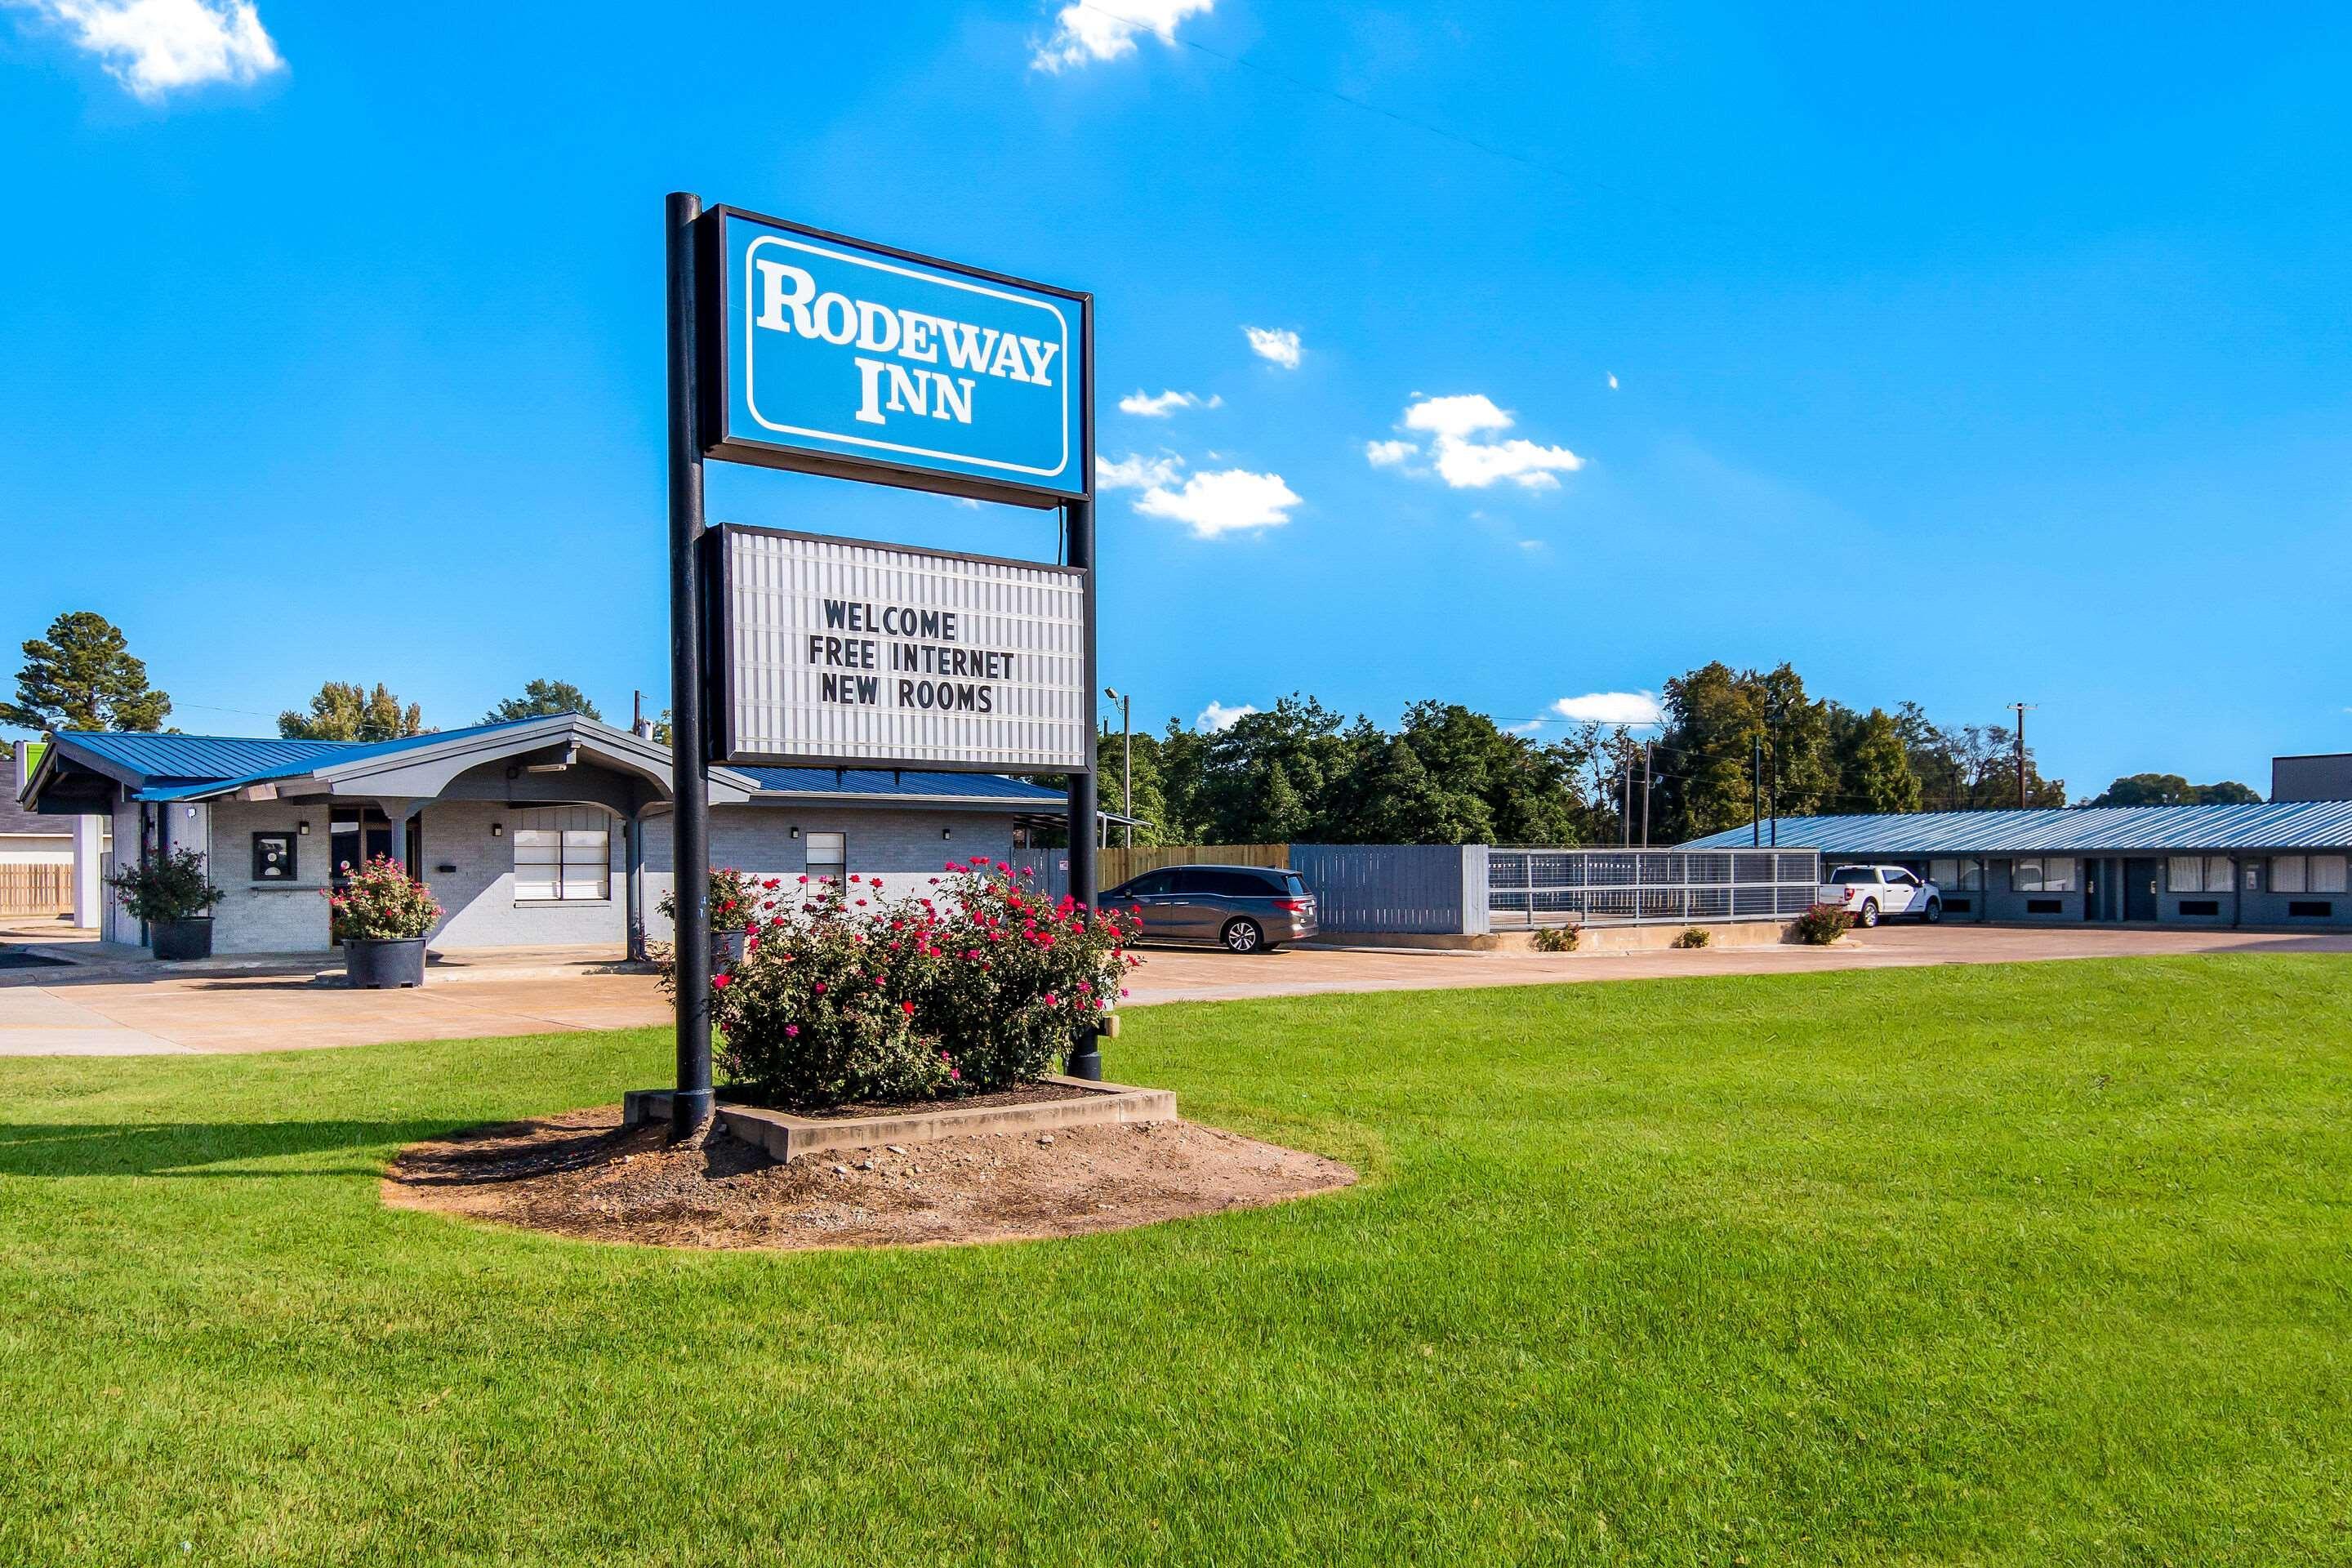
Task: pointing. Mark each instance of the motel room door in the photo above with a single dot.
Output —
(2139, 888)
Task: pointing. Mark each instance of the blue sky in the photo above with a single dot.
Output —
(1968, 354)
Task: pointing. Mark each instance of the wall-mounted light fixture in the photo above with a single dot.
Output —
(947, 832)
(796, 833)
(498, 829)
(303, 828)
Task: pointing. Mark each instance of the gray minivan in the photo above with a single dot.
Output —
(1243, 909)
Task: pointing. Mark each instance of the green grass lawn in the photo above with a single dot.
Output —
(2032, 1265)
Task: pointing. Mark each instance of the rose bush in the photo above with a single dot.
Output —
(380, 902)
(1824, 925)
(847, 994)
(734, 900)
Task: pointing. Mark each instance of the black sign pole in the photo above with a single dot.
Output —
(691, 1106)
(1079, 518)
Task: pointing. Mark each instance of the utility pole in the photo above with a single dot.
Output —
(1126, 761)
(1649, 782)
(1756, 793)
(1625, 800)
(2022, 709)
(1773, 801)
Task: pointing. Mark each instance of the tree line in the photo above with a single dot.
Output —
(1732, 743)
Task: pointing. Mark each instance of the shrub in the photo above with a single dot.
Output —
(1822, 924)
(851, 996)
(380, 902)
(1557, 939)
(734, 901)
(1694, 936)
(157, 889)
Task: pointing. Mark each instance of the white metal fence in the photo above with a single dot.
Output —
(1528, 888)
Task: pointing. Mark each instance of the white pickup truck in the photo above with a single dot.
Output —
(1873, 893)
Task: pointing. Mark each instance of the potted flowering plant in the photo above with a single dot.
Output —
(733, 905)
(172, 896)
(381, 914)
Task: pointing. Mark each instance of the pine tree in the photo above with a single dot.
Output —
(82, 676)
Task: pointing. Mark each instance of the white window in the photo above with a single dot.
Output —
(563, 853)
(2185, 874)
(2217, 873)
(2044, 876)
(2286, 874)
(828, 856)
(2328, 873)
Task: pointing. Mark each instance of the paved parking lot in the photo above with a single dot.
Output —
(55, 1013)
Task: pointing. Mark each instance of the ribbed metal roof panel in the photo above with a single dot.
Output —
(2085, 830)
(883, 781)
(194, 757)
(175, 766)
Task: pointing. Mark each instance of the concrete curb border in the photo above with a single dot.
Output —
(786, 1137)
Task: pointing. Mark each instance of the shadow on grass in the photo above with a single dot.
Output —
(195, 1149)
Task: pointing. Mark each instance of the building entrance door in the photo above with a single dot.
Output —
(2095, 885)
(2139, 890)
(356, 836)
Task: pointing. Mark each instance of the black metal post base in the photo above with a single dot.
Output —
(690, 1110)
(1086, 1062)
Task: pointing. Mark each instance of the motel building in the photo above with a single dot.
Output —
(538, 833)
(2280, 864)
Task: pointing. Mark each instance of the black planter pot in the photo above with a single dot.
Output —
(176, 941)
(384, 964)
(727, 949)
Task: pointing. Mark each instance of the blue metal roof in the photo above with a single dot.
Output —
(884, 780)
(2083, 829)
(174, 767)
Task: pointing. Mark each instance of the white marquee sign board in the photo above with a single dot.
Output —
(838, 652)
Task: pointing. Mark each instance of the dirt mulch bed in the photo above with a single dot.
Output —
(581, 1175)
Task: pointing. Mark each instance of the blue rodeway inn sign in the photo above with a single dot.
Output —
(793, 348)
(852, 359)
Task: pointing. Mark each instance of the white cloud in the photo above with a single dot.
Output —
(1630, 708)
(157, 47)
(1279, 345)
(1167, 403)
(1135, 473)
(1475, 465)
(1083, 33)
(1463, 451)
(1221, 502)
(1456, 418)
(1612, 380)
(1217, 717)
(1524, 727)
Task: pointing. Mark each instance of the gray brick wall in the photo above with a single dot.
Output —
(903, 847)
(478, 898)
(268, 917)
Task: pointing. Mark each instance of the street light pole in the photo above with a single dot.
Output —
(1126, 762)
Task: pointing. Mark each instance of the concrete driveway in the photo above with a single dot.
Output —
(55, 1013)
